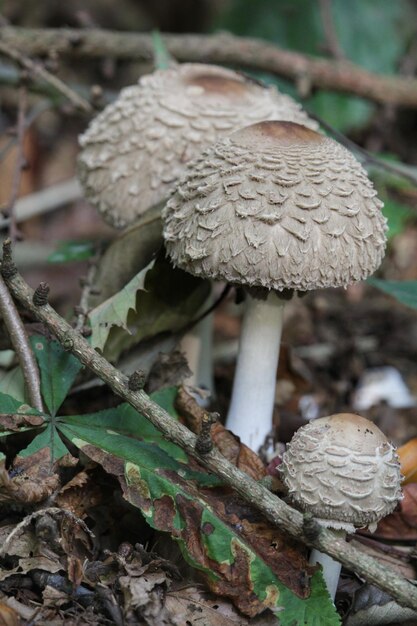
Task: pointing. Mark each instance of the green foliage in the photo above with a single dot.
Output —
(72, 251)
(360, 25)
(58, 371)
(158, 479)
(161, 55)
(174, 494)
(158, 299)
(114, 311)
(397, 214)
(405, 291)
(127, 255)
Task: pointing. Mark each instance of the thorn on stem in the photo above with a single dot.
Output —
(137, 380)
(311, 528)
(40, 295)
(8, 267)
(204, 443)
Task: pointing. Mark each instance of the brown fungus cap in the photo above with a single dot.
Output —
(276, 205)
(135, 150)
(343, 470)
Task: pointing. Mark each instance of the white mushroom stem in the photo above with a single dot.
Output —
(331, 568)
(253, 397)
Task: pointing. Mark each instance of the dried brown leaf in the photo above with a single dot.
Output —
(8, 616)
(80, 494)
(197, 607)
(237, 453)
(32, 480)
(402, 524)
(16, 421)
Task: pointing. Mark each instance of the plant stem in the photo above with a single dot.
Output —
(220, 48)
(253, 397)
(20, 342)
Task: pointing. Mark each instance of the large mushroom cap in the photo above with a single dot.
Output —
(343, 470)
(136, 149)
(276, 205)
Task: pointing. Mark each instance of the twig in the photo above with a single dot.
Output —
(29, 119)
(38, 70)
(19, 339)
(274, 509)
(219, 48)
(48, 199)
(19, 163)
(332, 41)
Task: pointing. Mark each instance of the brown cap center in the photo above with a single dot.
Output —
(219, 85)
(272, 133)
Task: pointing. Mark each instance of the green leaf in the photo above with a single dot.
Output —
(114, 311)
(122, 420)
(405, 291)
(58, 371)
(8, 404)
(397, 214)
(360, 27)
(167, 491)
(158, 478)
(48, 438)
(69, 251)
(159, 299)
(127, 255)
(13, 384)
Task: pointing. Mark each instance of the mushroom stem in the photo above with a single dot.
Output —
(252, 404)
(331, 568)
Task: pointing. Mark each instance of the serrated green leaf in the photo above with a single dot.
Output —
(48, 438)
(58, 371)
(114, 311)
(159, 299)
(69, 251)
(127, 255)
(405, 291)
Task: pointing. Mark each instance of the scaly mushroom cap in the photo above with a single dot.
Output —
(343, 470)
(135, 150)
(276, 205)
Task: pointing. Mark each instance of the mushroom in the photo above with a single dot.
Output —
(274, 207)
(344, 471)
(136, 149)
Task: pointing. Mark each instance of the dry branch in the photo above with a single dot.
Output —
(274, 509)
(335, 75)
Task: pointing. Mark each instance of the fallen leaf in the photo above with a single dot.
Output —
(402, 524)
(8, 616)
(31, 480)
(198, 607)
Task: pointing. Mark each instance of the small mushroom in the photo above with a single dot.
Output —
(136, 149)
(344, 471)
(274, 207)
